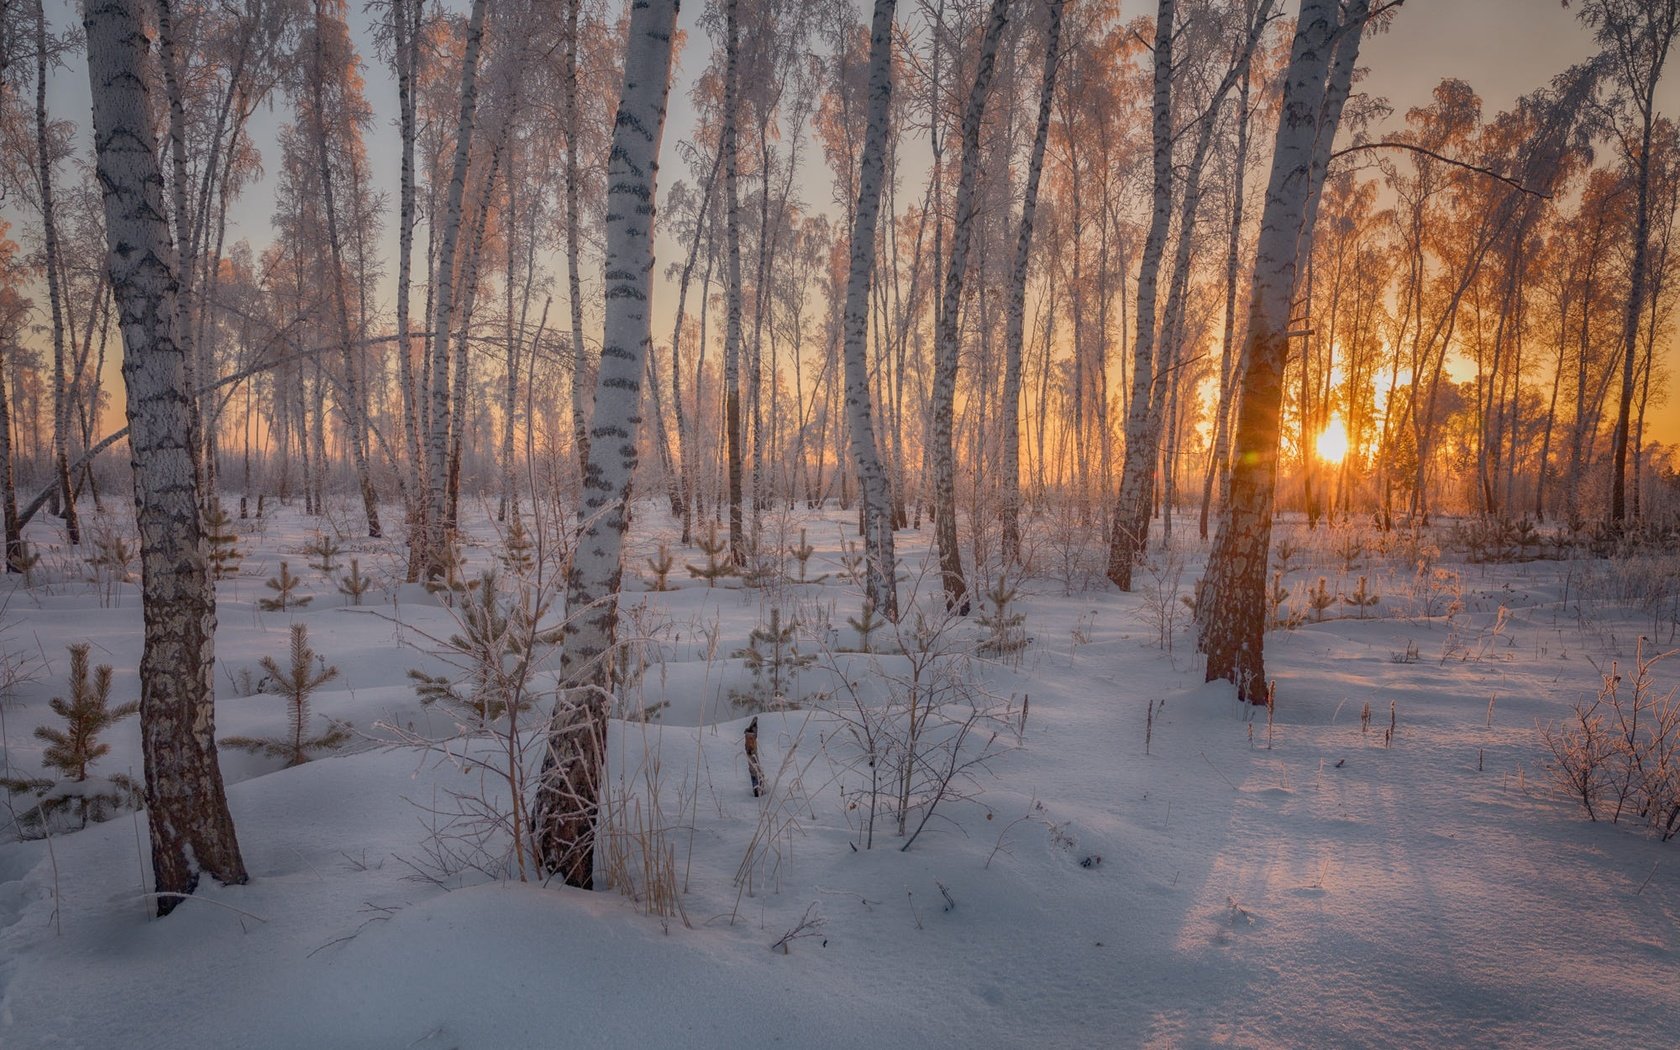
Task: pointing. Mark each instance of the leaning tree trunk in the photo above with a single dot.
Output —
(8, 482)
(186, 805)
(1015, 328)
(945, 346)
(568, 791)
(880, 584)
(1231, 600)
(1137, 475)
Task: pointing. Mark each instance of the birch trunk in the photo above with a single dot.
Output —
(49, 231)
(1130, 532)
(880, 585)
(568, 793)
(1219, 460)
(406, 21)
(732, 336)
(186, 805)
(8, 481)
(945, 347)
(1231, 599)
(355, 408)
(443, 317)
(1015, 338)
(574, 284)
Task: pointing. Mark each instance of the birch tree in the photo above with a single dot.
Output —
(568, 791)
(1231, 602)
(435, 534)
(880, 584)
(1637, 36)
(186, 806)
(945, 345)
(1016, 322)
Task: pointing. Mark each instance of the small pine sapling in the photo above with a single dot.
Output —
(772, 655)
(518, 553)
(285, 588)
(1283, 552)
(305, 672)
(760, 572)
(1350, 548)
(72, 749)
(222, 539)
(802, 554)
(354, 585)
(497, 646)
(113, 558)
(1278, 598)
(717, 564)
(853, 561)
(1361, 598)
(1006, 632)
(866, 623)
(661, 566)
(1319, 599)
(453, 584)
(324, 552)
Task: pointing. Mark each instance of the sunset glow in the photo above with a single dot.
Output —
(1332, 444)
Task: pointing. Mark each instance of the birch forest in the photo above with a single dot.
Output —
(538, 311)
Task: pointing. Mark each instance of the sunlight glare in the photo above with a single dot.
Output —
(1332, 442)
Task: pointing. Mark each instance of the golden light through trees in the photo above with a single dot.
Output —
(1332, 443)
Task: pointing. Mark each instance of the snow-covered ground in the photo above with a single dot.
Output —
(1308, 881)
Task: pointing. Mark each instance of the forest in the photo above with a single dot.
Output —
(493, 451)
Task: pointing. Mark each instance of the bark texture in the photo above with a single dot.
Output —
(191, 828)
(880, 585)
(568, 792)
(1231, 600)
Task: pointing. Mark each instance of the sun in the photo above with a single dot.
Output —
(1332, 444)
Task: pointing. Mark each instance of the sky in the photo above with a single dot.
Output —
(1502, 48)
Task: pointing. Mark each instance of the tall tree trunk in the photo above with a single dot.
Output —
(880, 584)
(1219, 461)
(186, 805)
(1130, 531)
(1016, 325)
(1231, 600)
(49, 230)
(443, 318)
(945, 346)
(732, 336)
(355, 408)
(406, 20)
(574, 237)
(568, 794)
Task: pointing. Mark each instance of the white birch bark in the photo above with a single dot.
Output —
(1130, 531)
(1231, 599)
(191, 828)
(1015, 326)
(568, 793)
(49, 233)
(443, 317)
(355, 408)
(945, 346)
(880, 581)
(574, 283)
(732, 336)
